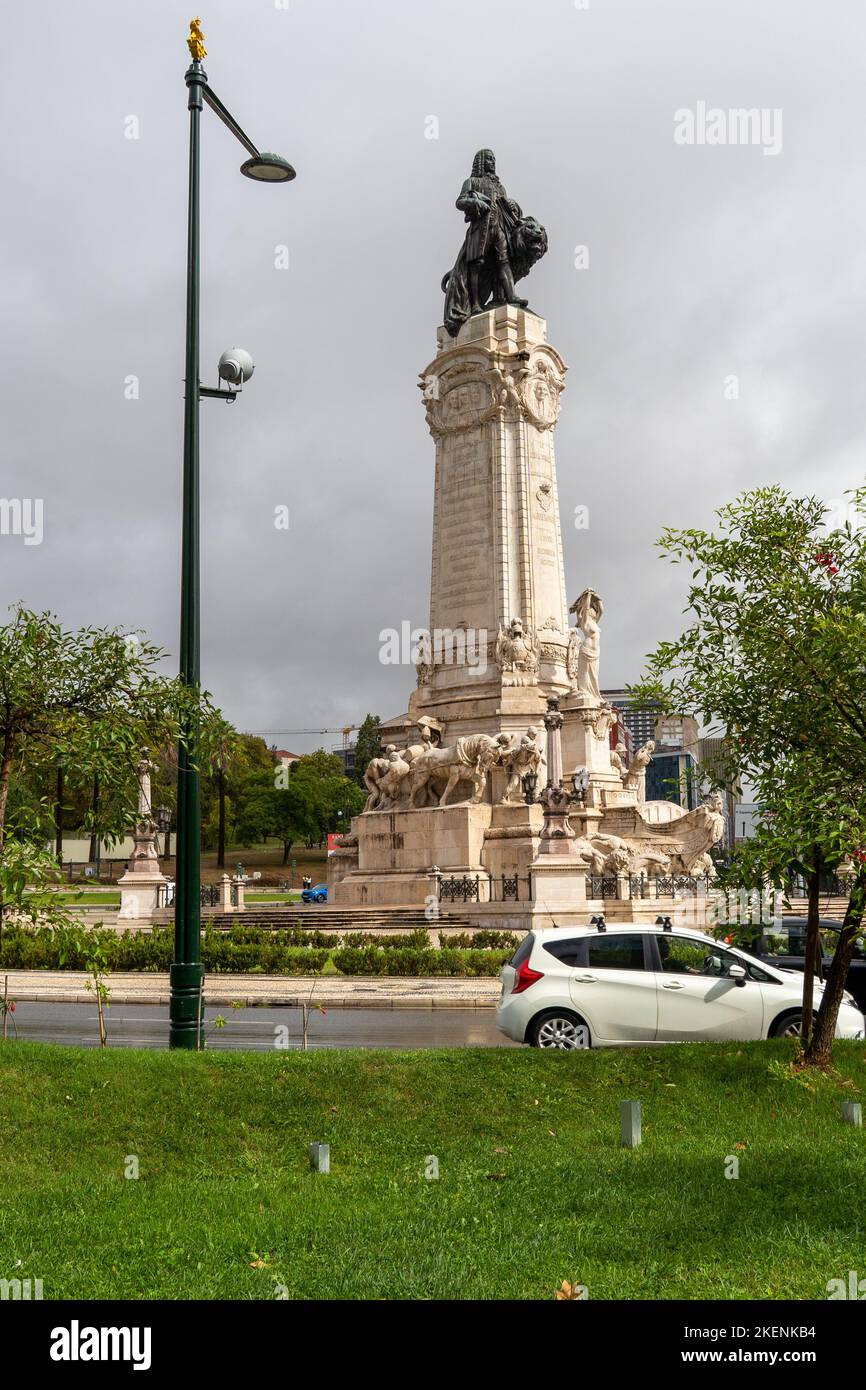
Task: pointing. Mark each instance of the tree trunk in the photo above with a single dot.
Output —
(820, 1048)
(93, 854)
(813, 940)
(58, 816)
(221, 830)
(5, 778)
(287, 845)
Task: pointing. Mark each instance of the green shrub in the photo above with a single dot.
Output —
(243, 950)
(66, 948)
(373, 960)
(482, 941)
(417, 940)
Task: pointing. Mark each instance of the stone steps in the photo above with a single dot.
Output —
(328, 918)
(833, 907)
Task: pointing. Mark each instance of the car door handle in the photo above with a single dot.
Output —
(587, 979)
(672, 984)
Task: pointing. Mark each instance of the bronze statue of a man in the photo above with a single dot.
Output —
(500, 246)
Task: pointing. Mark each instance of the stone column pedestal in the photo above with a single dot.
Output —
(559, 884)
(140, 894)
(512, 839)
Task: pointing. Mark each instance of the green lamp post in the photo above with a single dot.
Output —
(236, 367)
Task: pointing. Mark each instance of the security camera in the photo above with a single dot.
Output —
(235, 366)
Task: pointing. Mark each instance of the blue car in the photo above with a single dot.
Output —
(317, 894)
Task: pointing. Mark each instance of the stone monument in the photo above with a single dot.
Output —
(500, 660)
(140, 885)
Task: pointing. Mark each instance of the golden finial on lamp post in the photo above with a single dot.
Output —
(196, 41)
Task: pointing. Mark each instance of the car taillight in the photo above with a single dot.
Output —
(524, 976)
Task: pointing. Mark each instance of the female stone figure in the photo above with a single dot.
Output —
(588, 611)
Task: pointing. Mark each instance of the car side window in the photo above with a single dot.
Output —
(567, 952)
(682, 956)
(615, 951)
(782, 941)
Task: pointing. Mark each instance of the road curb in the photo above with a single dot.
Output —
(281, 992)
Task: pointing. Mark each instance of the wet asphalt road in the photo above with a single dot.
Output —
(252, 1029)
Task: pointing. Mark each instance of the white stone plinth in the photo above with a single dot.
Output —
(415, 839)
(559, 883)
(139, 895)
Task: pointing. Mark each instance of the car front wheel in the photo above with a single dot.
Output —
(558, 1028)
(788, 1026)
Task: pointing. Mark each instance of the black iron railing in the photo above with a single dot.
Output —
(459, 890)
(601, 885)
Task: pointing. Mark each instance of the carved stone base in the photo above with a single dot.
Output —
(139, 895)
(511, 842)
(409, 843)
(359, 889)
(559, 882)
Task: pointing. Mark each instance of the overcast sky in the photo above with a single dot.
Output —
(705, 262)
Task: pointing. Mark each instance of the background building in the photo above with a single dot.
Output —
(711, 755)
(346, 753)
(283, 758)
(640, 720)
(673, 775)
(684, 762)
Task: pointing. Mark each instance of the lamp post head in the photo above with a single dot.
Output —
(268, 168)
(235, 366)
(580, 782)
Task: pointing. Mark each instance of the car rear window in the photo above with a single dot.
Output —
(523, 950)
(565, 951)
(617, 951)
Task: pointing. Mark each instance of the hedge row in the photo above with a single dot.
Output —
(372, 960)
(68, 948)
(242, 951)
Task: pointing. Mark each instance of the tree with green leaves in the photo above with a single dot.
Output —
(774, 656)
(303, 802)
(92, 699)
(368, 745)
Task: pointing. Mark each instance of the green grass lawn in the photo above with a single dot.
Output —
(533, 1185)
(72, 897)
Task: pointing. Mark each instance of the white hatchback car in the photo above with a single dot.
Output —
(626, 986)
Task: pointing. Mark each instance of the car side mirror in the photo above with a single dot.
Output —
(737, 973)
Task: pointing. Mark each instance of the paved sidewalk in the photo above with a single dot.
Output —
(288, 991)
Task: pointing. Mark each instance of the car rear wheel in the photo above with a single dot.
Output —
(558, 1028)
(788, 1026)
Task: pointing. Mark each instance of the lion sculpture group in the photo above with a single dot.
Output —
(425, 774)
